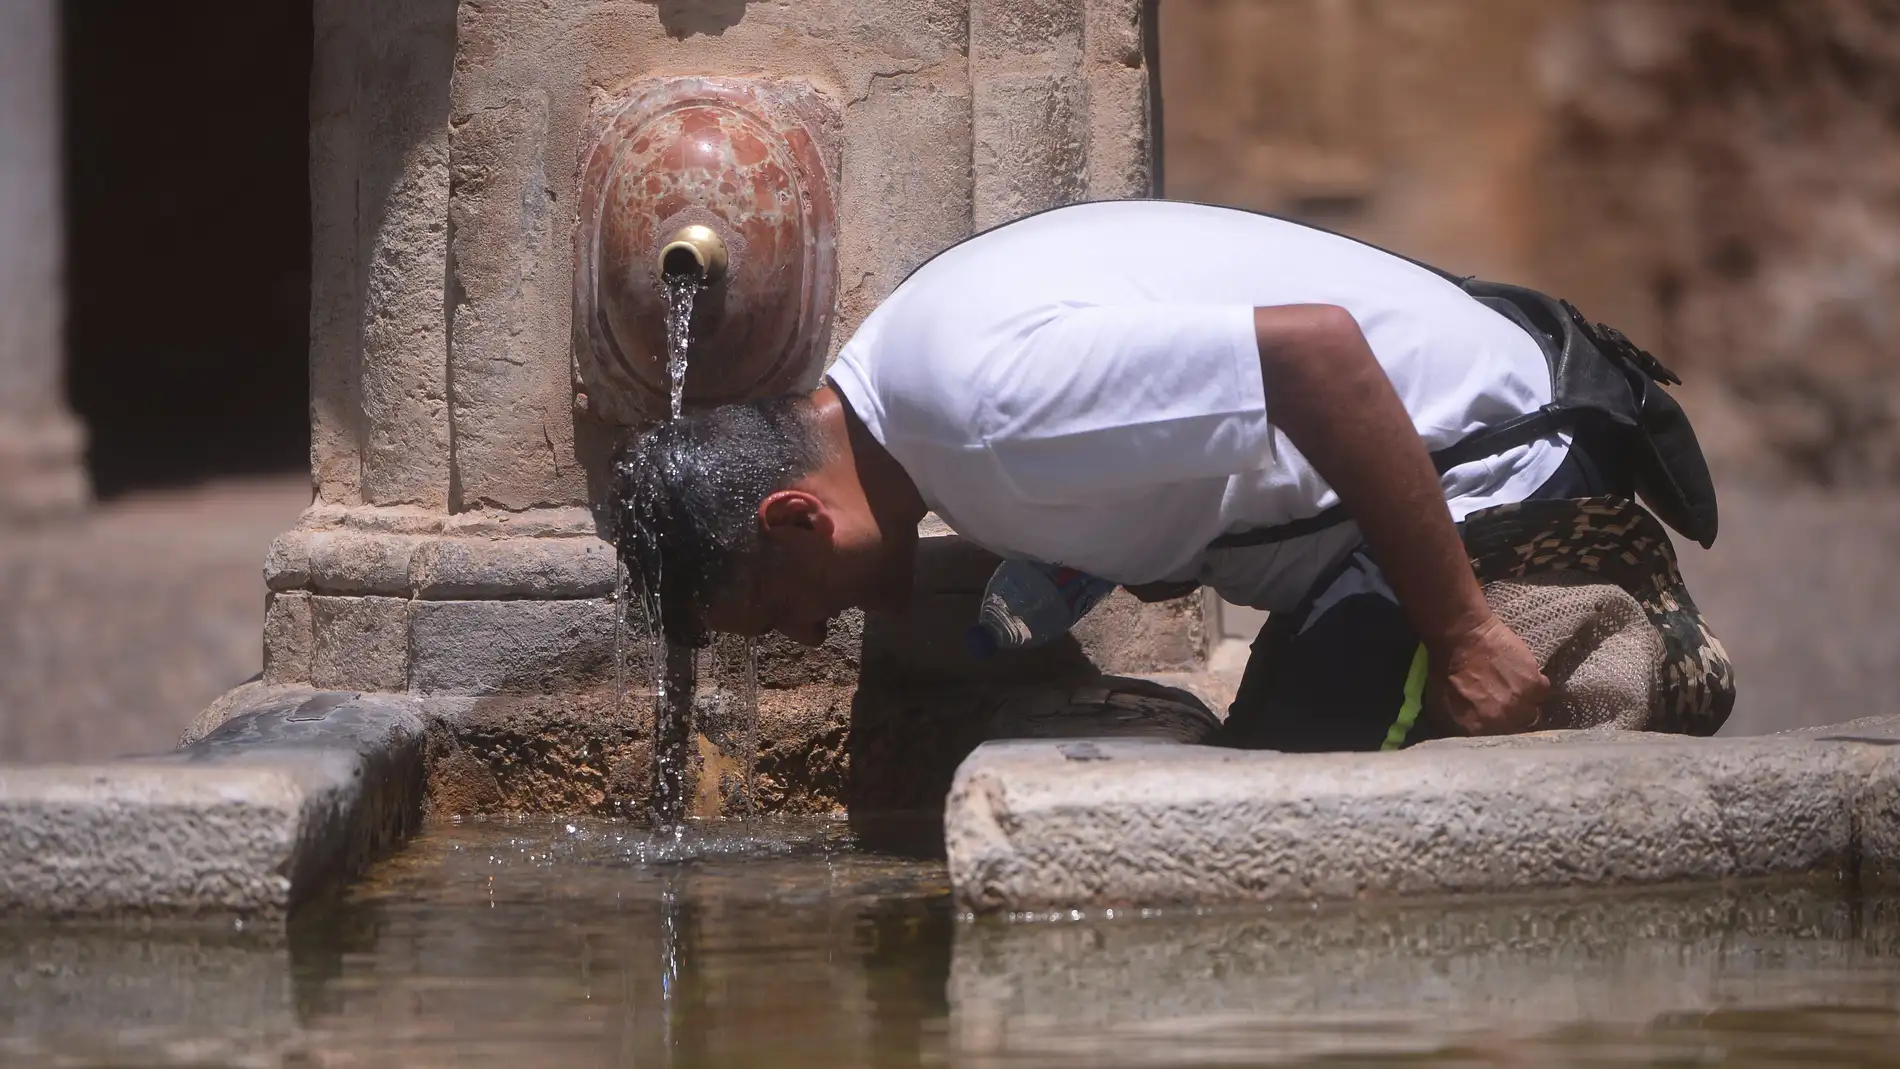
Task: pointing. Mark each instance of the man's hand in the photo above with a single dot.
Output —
(1326, 390)
(1485, 682)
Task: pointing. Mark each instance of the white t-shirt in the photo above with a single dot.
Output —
(1083, 387)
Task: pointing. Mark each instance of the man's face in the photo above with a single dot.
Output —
(803, 577)
(783, 595)
(815, 565)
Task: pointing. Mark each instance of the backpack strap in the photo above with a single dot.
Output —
(1489, 442)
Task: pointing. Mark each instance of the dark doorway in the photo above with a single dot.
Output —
(188, 248)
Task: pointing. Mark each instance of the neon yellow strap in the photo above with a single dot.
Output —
(1409, 708)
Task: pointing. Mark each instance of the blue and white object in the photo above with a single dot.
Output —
(1029, 604)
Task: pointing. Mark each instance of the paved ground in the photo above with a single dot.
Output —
(116, 631)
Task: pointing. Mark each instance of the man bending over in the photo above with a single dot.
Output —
(1165, 395)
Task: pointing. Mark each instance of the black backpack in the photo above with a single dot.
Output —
(1599, 376)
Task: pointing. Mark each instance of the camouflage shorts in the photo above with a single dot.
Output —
(1619, 541)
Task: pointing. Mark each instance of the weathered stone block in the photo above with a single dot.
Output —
(1002, 30)
(1112, 34)
(246, 697)
(294, 793)
(404, 250)
(1120, 137)
(376, 519)
(1877, 807)
(287, 562)
(510, 322)
(916, 31)
(404, 562)
(500, 647)
(337, 150)
(581, 751)
(289, 638)
(139, 839)
(1030, 144)
(359, 562)
(901, 203)
(1026, 820)
(575, 752)
(804, 760)
(573, 521)
(361, 643)
(466, 569)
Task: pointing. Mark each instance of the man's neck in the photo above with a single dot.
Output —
(895, 504)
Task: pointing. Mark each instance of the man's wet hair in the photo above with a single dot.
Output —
(686, 502)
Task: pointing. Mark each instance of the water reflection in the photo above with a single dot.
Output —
(1616, 979)
(607, 945)
(600, 944)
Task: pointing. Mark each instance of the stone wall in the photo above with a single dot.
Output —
(445, 142)
(1715, 176)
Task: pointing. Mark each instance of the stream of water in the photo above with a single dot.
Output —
(675, 670)
(681, 292)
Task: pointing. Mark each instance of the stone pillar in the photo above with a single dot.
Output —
(454, 550)
(41, 475)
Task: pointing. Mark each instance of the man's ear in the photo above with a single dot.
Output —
(794, 514)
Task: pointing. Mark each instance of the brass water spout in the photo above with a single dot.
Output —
(694, 252)
(716, 189)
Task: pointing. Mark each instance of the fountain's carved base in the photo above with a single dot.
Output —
(501, 627)
(573, 753)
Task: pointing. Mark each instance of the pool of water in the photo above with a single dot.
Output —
(597, 944)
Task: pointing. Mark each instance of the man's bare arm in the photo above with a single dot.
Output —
(1326, 390)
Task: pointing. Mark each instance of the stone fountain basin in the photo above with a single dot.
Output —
(399, 688)
(304, 788)
(1082, 787)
